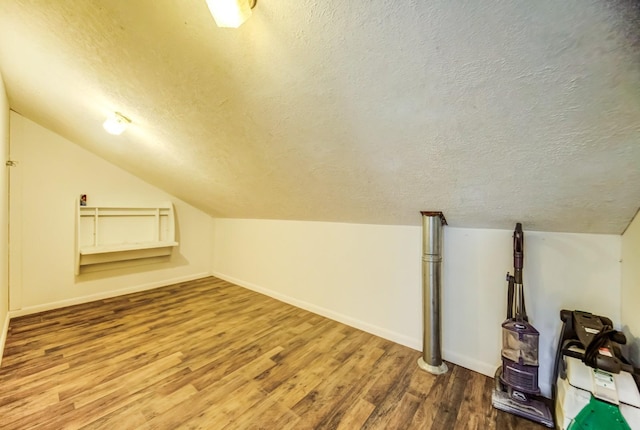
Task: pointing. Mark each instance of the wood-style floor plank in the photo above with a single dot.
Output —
(208, 354)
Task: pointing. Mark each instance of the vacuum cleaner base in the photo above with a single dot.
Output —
(532, 409)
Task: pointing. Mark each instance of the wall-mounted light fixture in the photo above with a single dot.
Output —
(116, 123)
(231, 13)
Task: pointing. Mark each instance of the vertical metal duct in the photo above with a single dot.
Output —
(431, 359)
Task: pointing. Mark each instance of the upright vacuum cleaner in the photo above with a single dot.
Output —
(517, 389)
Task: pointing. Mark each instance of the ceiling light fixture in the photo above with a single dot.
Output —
(116, 123)
(231, 13)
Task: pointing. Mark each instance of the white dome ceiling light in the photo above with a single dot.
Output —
(116, 123)
(231, 13)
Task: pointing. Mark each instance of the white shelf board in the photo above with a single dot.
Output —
(103, 249)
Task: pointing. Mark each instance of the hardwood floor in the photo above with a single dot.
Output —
(210, 355)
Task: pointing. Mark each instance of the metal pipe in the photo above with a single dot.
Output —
(431, 359)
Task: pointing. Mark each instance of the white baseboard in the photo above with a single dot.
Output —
(487, 369)
(104, 295)
(344, 319)
(470, 363)
(3, 335)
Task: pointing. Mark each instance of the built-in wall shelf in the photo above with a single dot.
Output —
(115, 234)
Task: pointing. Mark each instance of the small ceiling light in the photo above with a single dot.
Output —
(231, 13)
(116, 123)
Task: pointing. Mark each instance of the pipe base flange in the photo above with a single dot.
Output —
(435, 370)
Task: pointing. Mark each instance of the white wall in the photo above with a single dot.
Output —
(631, 288)
(4, 213)
(369, 276)
(50, 175)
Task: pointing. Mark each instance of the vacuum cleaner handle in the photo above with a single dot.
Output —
(518, 253)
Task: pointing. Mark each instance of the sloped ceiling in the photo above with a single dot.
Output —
(352, 111)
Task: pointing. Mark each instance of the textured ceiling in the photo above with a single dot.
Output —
(352, 111)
